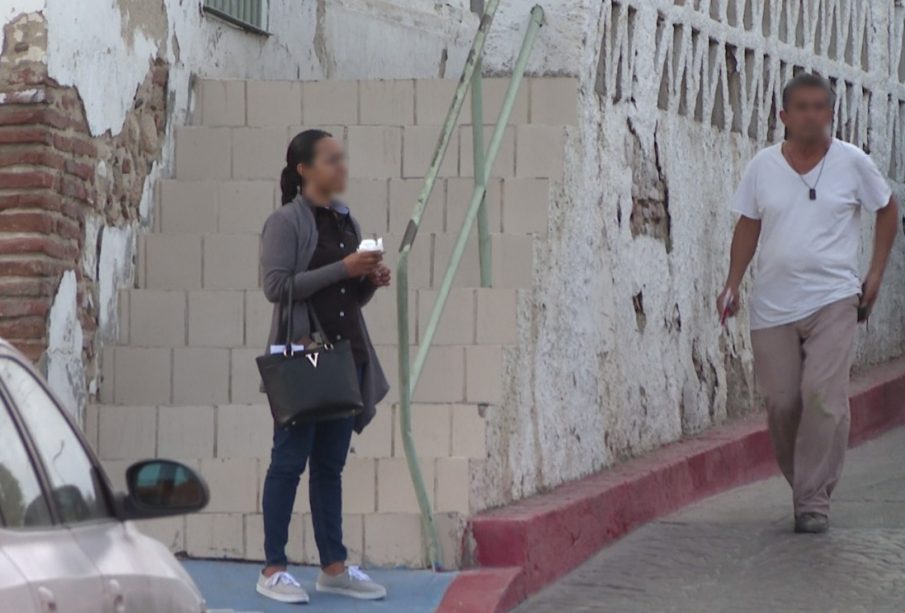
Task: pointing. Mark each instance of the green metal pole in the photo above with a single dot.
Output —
(452, 117)
(405, 417)
(485, 254)
(537, 16)
(402, 315)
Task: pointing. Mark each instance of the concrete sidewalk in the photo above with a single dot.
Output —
(736, 552)
(231, 586)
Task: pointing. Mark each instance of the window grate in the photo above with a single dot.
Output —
(249, 14)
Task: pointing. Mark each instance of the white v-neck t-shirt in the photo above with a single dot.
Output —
(808, 252)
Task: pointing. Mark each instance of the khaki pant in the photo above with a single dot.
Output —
(802, 370)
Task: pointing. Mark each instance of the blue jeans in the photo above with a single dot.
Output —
(324, 445)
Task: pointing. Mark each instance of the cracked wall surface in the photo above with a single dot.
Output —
(67, 188)
(619, 350)
(620, 347)
(102, 57)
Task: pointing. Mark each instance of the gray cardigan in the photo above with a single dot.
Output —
(287, 244)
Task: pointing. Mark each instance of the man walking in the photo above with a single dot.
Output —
(801, 200)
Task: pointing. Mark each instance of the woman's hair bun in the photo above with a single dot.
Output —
(301, 150)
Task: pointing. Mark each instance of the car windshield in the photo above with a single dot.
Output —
(77, 491)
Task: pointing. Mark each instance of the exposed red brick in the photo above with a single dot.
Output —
(12, 115)
(72, 210)
(27, 179)
(40, 244)
(22, 327)
(54, 118)
(20, 307)
(33, 199)
(32, 155)
(40, 222)
(67, 227)
(32, 134)
(78, 145)
(84, 147)
(32, 267)
(29, 75)
(76, 189)
(27, 221)
(68, 99)
(26, 286)
(82, 171)
(48, 162)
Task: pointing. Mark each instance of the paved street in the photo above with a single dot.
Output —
(736, 552)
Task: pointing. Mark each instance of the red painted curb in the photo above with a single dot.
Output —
(487, 590)
(529, 544)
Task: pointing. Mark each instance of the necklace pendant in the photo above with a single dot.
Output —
(812, 194)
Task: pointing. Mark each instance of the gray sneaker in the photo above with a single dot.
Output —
(812, 523)
(283, 587)
(352, 583)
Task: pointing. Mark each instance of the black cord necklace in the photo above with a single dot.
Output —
(812, 189)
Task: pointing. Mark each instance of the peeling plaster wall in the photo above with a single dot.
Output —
(106, 49)
(115, 271)
(65, 368)
(620, 348)
(83, 161)
(12, 8)
(560, 42)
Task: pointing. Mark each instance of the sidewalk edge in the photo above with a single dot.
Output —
(525, 546)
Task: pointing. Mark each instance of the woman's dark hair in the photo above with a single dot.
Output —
(300, 151)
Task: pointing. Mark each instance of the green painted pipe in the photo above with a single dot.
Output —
(408, 373)
(485, 256)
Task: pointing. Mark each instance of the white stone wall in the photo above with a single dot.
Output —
(104, 49)
(621, 350)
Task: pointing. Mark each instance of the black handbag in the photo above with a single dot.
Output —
(316, 384)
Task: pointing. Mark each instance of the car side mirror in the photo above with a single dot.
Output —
(160, 488)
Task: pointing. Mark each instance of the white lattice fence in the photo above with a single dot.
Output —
(724, 63)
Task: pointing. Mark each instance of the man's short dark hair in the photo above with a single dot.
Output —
(807, 79)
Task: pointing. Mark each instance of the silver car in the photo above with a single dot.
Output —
(66, 542)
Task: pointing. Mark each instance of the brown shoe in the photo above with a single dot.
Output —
(812, 523)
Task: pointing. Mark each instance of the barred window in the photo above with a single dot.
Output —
(249, 14)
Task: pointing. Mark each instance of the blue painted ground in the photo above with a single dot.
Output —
(231, 585)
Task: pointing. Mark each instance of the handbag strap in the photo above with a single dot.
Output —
(318, 329)
(312, 315)
(287, 311)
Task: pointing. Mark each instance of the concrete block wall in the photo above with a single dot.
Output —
(181, 382)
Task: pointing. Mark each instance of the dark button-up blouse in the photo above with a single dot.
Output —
(338, 306)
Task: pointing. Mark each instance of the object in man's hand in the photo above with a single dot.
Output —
(728, 303)
(863, 309)
(371, 244)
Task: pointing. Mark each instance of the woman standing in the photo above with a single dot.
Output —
(313, 240)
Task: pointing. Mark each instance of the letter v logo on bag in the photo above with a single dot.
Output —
(312, 357)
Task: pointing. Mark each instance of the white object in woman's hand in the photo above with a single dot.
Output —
(371, 244)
